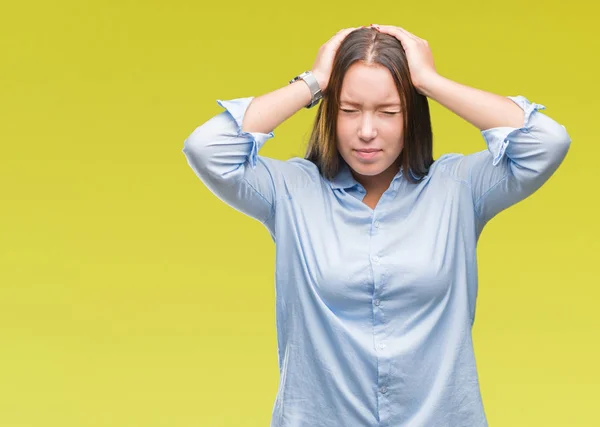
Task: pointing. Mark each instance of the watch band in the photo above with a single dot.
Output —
(313, 85)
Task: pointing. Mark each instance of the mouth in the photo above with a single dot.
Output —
(367, 153)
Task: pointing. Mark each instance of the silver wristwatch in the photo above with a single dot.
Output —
(313, 85)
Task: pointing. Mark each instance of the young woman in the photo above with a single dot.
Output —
(376, 270)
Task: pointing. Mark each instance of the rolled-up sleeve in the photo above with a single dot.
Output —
(517, 162)
(226, 160)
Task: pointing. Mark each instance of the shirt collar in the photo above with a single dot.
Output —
(344, 178)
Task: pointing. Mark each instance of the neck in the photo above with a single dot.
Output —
(378, 183)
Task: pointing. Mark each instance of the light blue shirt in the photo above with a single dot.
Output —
(374, 307)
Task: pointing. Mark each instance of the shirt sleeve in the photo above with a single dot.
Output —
(226, 160)
(517, 161)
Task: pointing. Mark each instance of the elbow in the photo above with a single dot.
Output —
(563, 138)
(559, 142)
(554, 139)
(196, 143)
(212, 155)
(196, 148)
(200, 143)
(551, 146)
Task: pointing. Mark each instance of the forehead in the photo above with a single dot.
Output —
(369, 85)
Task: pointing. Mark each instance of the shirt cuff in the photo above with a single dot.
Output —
(498, 138)
(237, 109)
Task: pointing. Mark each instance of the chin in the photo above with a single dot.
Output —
(368, 169)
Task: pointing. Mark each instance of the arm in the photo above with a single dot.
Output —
(524, 146)
(483, 110)
(268, 111)
(223, 152)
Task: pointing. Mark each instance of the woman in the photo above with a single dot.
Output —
(376, 270)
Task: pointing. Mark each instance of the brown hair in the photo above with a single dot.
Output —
(372, 47)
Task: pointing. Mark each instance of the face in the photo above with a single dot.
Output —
(370, 119)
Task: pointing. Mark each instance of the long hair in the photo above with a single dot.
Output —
(372, 47)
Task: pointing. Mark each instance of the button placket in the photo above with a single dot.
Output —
(378, 312)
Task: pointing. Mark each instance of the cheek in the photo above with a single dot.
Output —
(343, 136)
(342, 143)
(341, 126)
(393, 131)
(392, 126)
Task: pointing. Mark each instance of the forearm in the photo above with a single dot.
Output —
(268, 111)
(482, 109)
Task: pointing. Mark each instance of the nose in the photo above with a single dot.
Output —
(366, 129)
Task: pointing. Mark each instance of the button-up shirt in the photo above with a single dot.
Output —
(375, 307)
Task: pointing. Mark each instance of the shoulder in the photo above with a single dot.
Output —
(447, 162)
(306, 166)
(458, 166)
(293, 173)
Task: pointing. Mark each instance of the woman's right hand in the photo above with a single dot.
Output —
(324, 63)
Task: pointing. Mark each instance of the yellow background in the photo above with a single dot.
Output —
(131, 296)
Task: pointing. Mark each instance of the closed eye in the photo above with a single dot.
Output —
(384, 112)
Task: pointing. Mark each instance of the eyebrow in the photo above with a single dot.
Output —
(388, 104)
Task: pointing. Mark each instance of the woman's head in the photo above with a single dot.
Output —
(370, 103)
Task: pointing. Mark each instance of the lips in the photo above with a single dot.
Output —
(368, 154)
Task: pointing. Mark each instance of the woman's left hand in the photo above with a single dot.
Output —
(418, 54)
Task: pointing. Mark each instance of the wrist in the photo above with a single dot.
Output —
(321, 80)
(427, 84)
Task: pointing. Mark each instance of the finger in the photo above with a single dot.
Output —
(411, 35)
(405, 40)
(344, 31)
(398, 32)
(337, 40)
(341, 34)
(408, 33)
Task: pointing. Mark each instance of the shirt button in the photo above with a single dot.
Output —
(381, 345)
(377, 302)
(383, 389)
(376, 259)
(376, 224)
